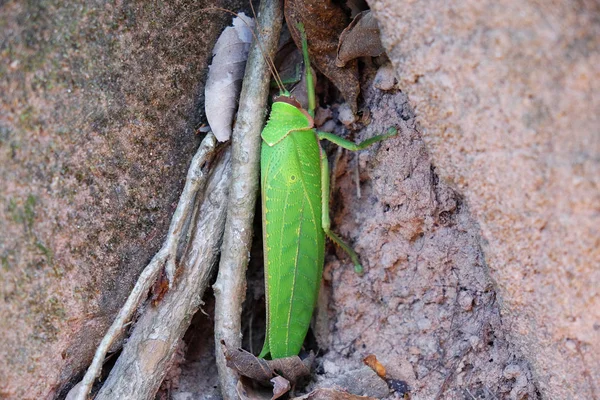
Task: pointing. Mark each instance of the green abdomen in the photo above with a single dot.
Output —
(294, 241)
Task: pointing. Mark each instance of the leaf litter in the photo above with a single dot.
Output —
(359, 39)
(371, 361)
(281, 373)
(324, 21)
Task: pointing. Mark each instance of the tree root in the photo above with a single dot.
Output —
(142, 365)
(179, 303)
(230, 287)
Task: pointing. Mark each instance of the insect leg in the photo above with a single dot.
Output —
(347, 144)
(325, 221)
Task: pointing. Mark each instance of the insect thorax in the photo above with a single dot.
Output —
(284, 119)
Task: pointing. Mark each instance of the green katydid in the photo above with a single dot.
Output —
(295, 214)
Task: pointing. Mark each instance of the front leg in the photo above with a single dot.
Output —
(348, 145)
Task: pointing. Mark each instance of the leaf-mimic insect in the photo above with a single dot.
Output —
(295, 215)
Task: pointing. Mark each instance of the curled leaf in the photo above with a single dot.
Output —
(359, 39)
(331, 394)
(292, 368)
(261, 370)
(356, 6)
(280, 387)
(290, 68)
(246, 364)
(371, 361)
(224, 81)
(247, 389)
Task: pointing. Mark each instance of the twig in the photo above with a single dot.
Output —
(196, 178)
(231, 285)
(144, 362)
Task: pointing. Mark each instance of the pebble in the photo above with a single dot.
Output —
(385, 79)
(465, 299)
(346, 116)
(511, 371)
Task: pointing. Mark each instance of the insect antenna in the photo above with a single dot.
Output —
(272, 67)
(268, 60)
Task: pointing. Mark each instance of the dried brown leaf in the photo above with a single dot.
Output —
(324, 21)
(224, 81)
(371, 361)
(331, 394)
(246, 364)
(359, 39)
(280, 387)
(356, 6)
(292, 368)
(248, 389)
(290, 69)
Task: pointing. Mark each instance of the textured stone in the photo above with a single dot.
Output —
(505, 96)
(98, 108)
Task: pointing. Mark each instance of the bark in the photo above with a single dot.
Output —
(165, 258)
(145, 359)
(230, 288)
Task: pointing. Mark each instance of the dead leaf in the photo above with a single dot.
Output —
(246, 392)
(280, 387)
(331, 394)
(356, 6)
(371, 361)
(290, 70)
(292, 368)
(324, 21)
(246, 364)
(248, 389)
(359, 39)
(224, 81)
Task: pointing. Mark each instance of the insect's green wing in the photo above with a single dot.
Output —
(294, 241)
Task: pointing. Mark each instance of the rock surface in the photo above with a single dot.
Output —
(426, 306)
(98, 109)
(505, 95)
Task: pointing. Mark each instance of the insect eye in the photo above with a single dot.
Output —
(292, 177)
